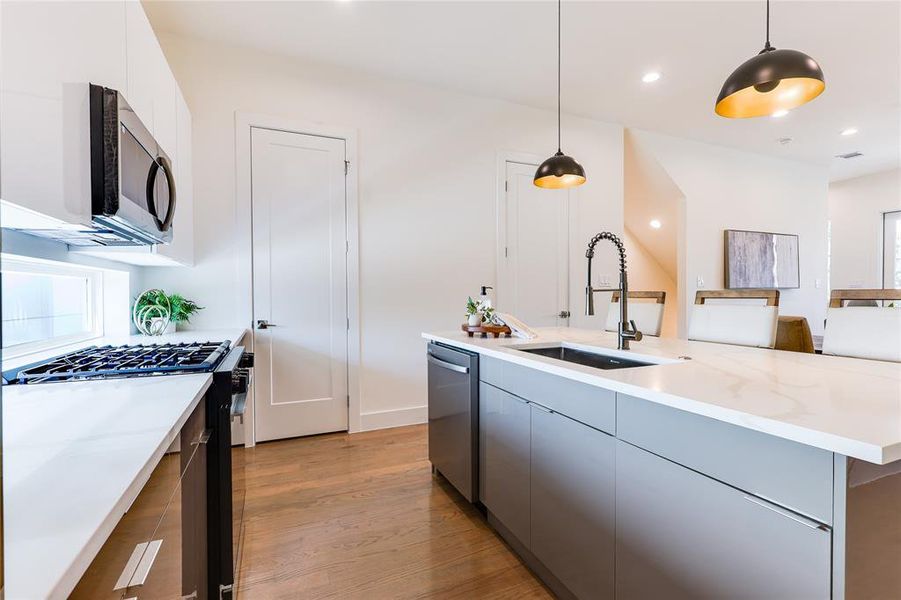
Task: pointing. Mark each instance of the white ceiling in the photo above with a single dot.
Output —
(507, 50)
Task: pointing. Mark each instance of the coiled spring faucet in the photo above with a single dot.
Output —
(626, 330)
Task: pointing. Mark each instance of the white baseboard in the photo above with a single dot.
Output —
(383, 419)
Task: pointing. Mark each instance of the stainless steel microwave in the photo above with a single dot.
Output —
(132, 184)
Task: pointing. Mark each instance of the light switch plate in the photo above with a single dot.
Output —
(700, 282)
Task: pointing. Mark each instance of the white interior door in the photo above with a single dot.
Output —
(891, 250)
(299, 284)
(533, 270)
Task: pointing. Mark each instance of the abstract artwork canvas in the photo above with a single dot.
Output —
(757, 259)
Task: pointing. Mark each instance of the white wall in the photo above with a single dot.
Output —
(855, 212)
(646, 274)
(427, 194)
(731, 189)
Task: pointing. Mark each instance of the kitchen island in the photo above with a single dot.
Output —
(713, 471)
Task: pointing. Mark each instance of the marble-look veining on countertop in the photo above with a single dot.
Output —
(844, 405)
(75, 455)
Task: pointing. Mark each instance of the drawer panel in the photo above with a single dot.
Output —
(793, 475)
(593, 406)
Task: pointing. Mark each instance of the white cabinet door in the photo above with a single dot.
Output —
(141, 62)
(151, 85)
(165, 92)
(181, 249)
(49, 53)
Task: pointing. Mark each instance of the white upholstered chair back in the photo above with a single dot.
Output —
(741, 324)
(872, 332)
(645, 308)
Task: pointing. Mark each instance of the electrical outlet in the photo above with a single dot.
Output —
(604, 281)
(817, 283)
(700, 282)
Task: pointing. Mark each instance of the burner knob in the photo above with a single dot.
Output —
(246, 360)
(239, 381)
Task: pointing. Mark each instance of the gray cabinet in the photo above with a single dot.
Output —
(680, 534)
(505, 424)
(572, 502)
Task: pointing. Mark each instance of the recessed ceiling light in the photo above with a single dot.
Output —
(650, 77)
(656, 224)
(779, 113)
(849, 131)
(785, 140)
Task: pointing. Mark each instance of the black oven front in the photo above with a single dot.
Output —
(225, 400)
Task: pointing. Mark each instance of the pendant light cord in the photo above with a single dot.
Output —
(767, 46)
(559, 45)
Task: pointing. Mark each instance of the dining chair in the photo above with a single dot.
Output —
(793, 334)
(867, 331)
(734, 317)
(648, 316)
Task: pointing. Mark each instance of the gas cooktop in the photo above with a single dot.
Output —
(105, 362)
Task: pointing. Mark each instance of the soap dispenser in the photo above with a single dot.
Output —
(484, 300)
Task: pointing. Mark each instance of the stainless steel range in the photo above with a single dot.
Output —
(103, 362)
(224, 400)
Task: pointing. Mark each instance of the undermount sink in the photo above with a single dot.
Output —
(589, 359)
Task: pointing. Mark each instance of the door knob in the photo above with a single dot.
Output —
(264, 324)
(564, 314)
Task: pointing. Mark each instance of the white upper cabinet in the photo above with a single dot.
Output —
(151, 85)
(181, 249)
(49, 53)
(141, 56)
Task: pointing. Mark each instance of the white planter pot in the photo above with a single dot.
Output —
(156, 326)
(475, 320)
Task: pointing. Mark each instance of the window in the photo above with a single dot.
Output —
(891, 253)
(47, 304)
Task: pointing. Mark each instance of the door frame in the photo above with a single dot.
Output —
(525, 158)
(244, 122)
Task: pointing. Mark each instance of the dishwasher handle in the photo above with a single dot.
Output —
(447, 365)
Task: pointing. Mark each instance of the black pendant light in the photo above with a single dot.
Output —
(559, 171)
(774, 80)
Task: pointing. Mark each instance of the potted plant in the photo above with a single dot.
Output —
(473, 317)
(155, 312)
(478, 313)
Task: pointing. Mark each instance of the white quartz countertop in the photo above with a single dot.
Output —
(75, 456)
(844, 405)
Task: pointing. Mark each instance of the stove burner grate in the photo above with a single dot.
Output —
(104, 362)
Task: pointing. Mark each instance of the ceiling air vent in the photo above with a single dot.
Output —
(849, 155)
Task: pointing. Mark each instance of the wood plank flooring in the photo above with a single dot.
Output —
(361, 516)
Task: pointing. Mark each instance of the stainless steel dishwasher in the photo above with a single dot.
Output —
(454, 417)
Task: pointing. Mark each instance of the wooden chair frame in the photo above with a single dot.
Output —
(660, 297)
(837, 298)
(771, 296)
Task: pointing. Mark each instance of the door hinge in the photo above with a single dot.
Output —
(346, 246)
(346, 166)
(506, 186)
(348, 323)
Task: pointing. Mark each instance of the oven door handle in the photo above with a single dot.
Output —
(239, 406)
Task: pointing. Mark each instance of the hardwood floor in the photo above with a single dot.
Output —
(361, 516)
